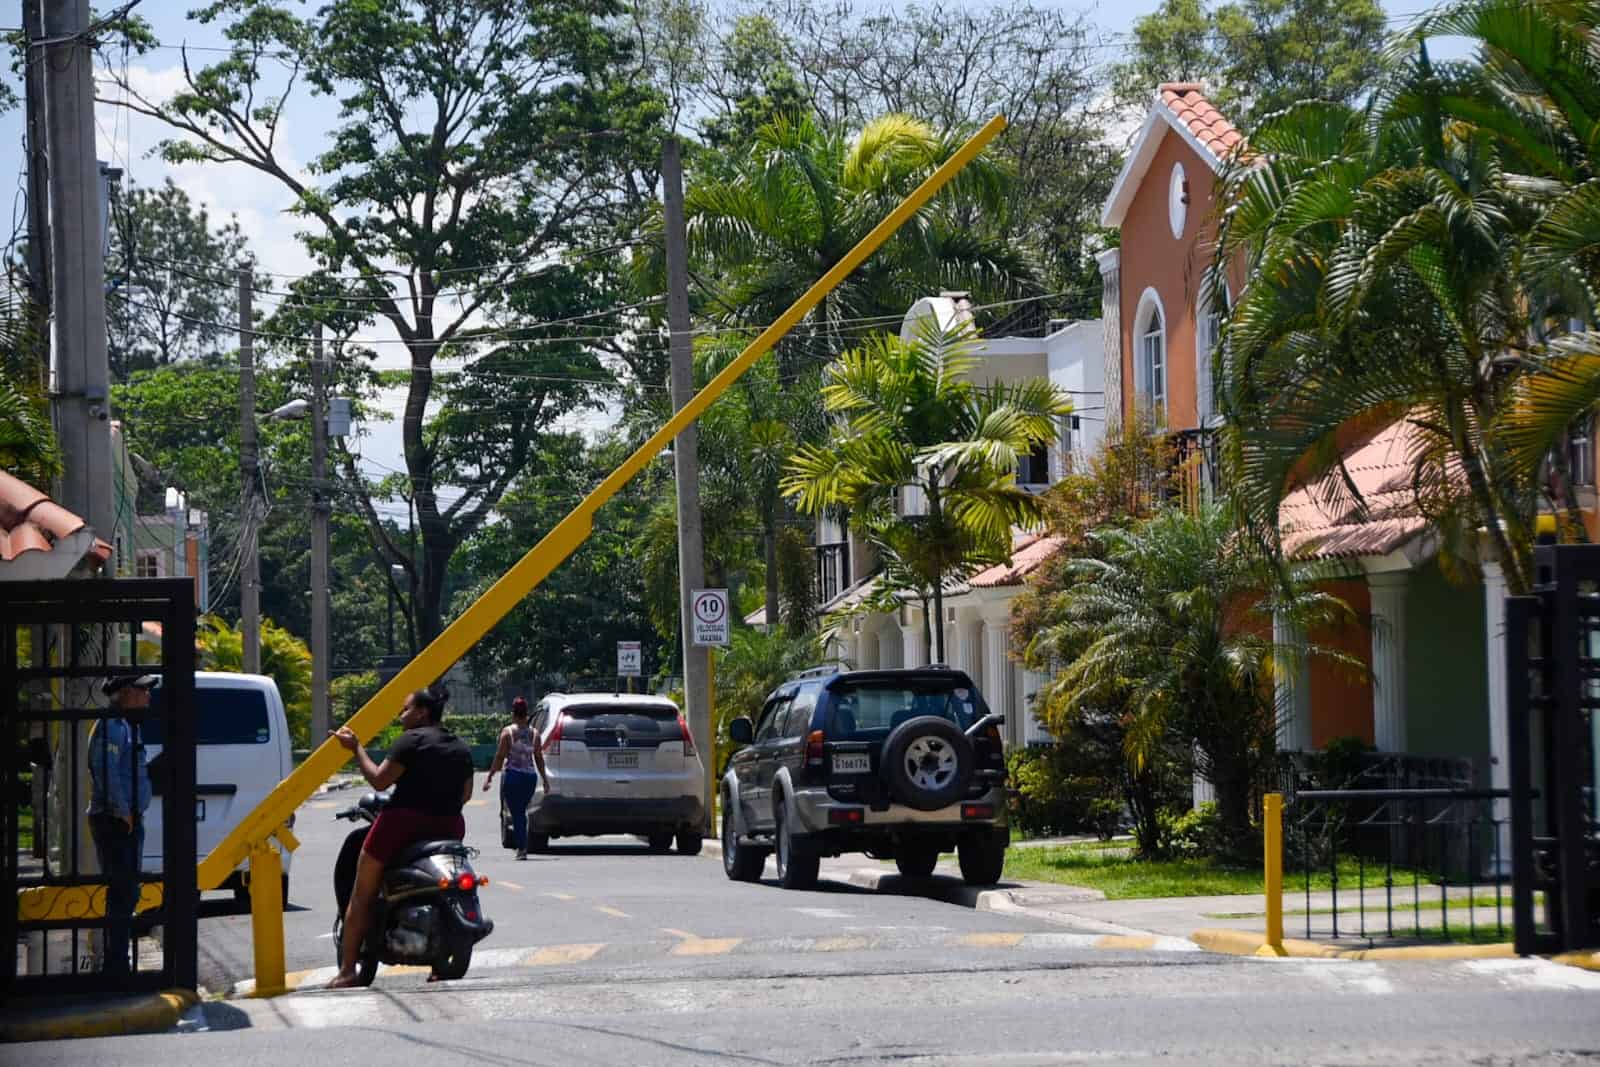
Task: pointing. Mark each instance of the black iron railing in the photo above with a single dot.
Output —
(833, 569)
(1399, 864)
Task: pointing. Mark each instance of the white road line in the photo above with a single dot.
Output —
(1535, 973)
(825, 913)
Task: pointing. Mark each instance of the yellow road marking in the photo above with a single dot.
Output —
(508, 884)
(686, 935)
(1130, 941)
(839, 944)
(989, 940)
(480, 802)
(606, 909)
(562, 896)
(705, 946)
(556, 954)
(323, 805)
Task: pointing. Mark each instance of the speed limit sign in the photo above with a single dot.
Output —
(709, 610)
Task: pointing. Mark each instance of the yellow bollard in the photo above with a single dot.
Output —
(266, 918)
(1272, 839)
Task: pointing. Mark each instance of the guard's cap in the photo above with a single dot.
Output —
(141, 681)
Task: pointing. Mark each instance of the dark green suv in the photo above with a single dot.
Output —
(899, 764)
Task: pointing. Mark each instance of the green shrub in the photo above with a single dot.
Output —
(1196, 832)
(1054, 793)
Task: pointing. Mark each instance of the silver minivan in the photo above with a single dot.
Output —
(242, 752)
(617, 764)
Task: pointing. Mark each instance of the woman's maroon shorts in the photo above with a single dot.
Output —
(395, 828)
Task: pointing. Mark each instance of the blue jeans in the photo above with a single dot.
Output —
(516, 792)
(118, 850)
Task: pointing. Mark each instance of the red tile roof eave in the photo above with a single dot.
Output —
(1026, 558)
(1201, 118)
(31, 522)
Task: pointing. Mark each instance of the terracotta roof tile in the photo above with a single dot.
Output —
(1323, 521)
(31, 522)
(1028, 553)
(1186, 100)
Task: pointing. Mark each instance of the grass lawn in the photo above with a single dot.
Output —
(25, 832)
(1119, 877)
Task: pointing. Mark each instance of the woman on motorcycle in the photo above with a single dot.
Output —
(520, 755)
(431, 770)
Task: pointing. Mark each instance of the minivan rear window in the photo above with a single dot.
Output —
(222, 717)
(872, 708)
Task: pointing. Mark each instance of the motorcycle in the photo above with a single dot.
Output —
(427, 911)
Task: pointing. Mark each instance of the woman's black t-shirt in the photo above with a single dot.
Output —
(438, 767)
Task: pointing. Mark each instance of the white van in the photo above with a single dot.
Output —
(242, 751)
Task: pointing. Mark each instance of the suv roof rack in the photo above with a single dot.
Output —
(818, 671)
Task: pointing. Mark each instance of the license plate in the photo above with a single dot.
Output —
(200, 809)
(622, 759)
(853, 763)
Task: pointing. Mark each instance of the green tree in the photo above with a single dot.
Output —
(1257, 56)
(284, 658)
(476, 149)
(908, 416)
(1163, 628)
(174, 293)
(27, 439)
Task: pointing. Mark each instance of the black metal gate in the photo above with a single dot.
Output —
(1553, 681)
(60, 642)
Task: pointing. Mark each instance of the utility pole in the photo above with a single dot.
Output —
(249, 469)
(77, 267)
(320, 722)
(686, 468)
(38, 191)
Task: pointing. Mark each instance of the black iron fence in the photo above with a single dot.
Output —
(91, 911)
(1398, 864)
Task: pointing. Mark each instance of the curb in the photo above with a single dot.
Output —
(1251, 943)
(147, 1014)
(1589, 961)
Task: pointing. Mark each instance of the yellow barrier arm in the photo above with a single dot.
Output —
(457, 638)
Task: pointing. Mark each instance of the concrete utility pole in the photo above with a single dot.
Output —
(38, 190)
(77, 267)
(320, 721)
(249, 469)
(686, 467)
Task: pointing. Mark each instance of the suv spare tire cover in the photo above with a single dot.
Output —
(927, 745)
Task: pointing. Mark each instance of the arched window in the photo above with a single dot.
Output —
(1150, 355)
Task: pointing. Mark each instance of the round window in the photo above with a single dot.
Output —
(1178, 200)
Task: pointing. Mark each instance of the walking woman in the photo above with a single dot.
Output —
(523, 761)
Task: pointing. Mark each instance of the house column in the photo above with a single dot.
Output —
(1494, 621)
(969, 648)
(1388, 659)
(915, 649)
(1292, 685)
(997, 670)
(1110, 262)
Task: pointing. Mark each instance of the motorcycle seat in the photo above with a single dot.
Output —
(416, 851)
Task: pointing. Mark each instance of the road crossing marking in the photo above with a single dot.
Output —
(322, 805)
(606, 909)
(705, 946)
(1115, 941)
(509, 884)
(554, 955)
(990, 940)
(686, 935)
(480, 802)
(839, 944)
(561, 896)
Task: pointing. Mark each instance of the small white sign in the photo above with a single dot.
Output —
(709, 611)
(630, 660)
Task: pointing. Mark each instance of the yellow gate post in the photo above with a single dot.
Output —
(1272, 846)
(496, 602)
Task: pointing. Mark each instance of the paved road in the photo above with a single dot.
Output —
(605, 954)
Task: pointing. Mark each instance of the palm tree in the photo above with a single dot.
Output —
(1384, 282)
(1162, 623)
(907, 416)
(804, 196)
(27, 440)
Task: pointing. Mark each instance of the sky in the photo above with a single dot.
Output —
(127, 141)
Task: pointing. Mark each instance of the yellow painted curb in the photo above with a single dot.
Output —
(1250, 943)
(1589, 961)
(154, 1013)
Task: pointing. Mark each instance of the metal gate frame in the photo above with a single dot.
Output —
(1553, 698)
(92, 617)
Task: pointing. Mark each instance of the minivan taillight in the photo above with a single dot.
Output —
(814, 748)
(688, 739)
(552, 744)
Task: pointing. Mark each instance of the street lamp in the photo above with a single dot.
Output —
(397, 574)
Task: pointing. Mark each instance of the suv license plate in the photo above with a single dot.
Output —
(622, 759)
(852, 763)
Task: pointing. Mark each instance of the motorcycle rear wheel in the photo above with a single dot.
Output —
(454, 965)
(366, 964)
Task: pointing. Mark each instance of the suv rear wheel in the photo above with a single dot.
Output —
(797, 862)
(660, 841)
(741, 863)
(983, 856)
(916, 860)
(689, 841)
